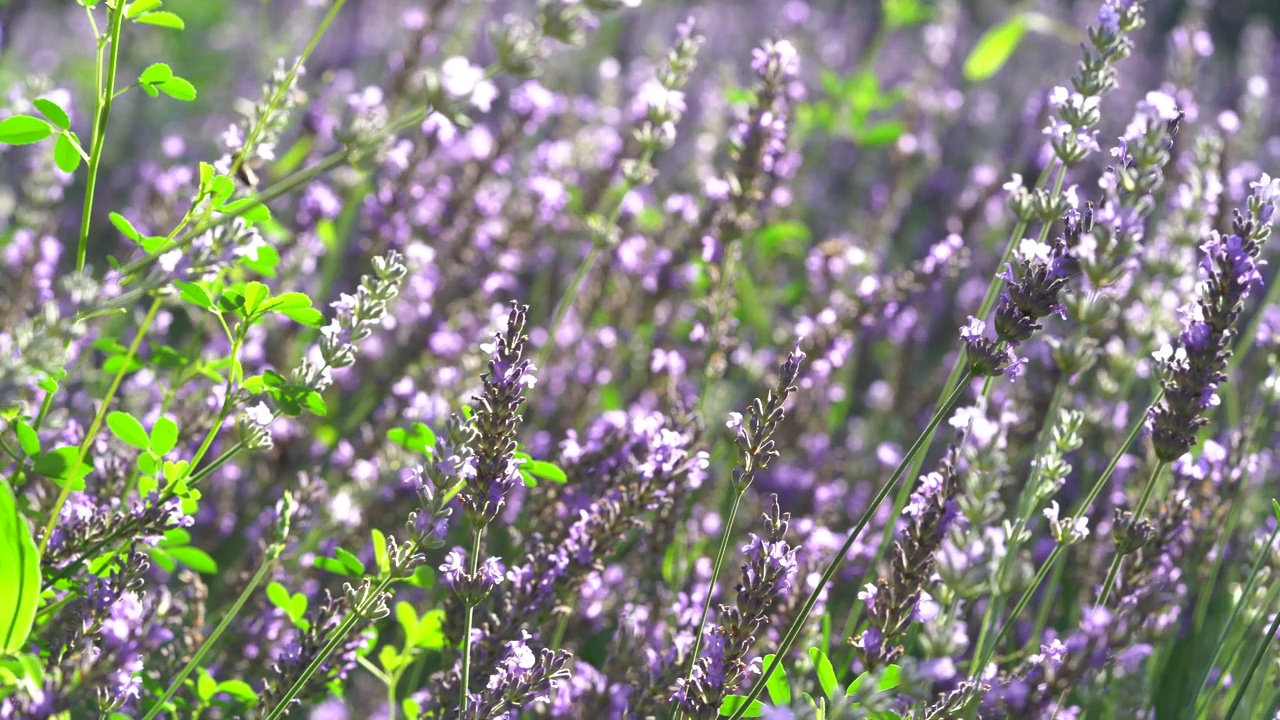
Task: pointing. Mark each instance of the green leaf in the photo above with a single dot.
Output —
(206, 686)
(155, 74)
(412, 709)
(59, 466)
(417, 439)
(176, 536)
(315, 404)
(28, 440)
(733, 702)
(545, 470)
(137, 7)
(128, 429)
(278, 595)
(304, 316)
(195, 558)
(125, 227)
(379, 548)
(23, 130)
(255, 293)
(19, 574)
(826, 674)
(221, 188)
(408, 619)
(430, 631)
(53, 113)
(329, 564)
(879, 134)
(777, 685)
(248, 208)
(1275, 508)
(994, 48)
(178, 88)
(65, 154)
(349, 561)
(238, 689)
(162, 19)
(194, 294)
(164, 436)
(890, 678)
(162, 559)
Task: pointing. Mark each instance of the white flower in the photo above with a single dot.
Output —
(735, 421)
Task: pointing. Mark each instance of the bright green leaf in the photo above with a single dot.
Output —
(65, 154)
(28, 440)
(137, 7)
(53, 113)
(255, 293)
(164, 436)
(994, 48)
(890, 678)
(733, 702)
(238, 689)
(248, 208)
(329, 564)
(128, 429)
(155, 74)
(379, 548)
(408, 619)
(349, 561)
(430, 630)
(178, 88)
(826, 674)
(304, 316)
(545, 470)
(777, 685)
(278, 595)
(206, 686)
(23, 130)
(19, 574)
(125, 227)
(162, 559)
(194, 294)
(162, 19)
(196, 559)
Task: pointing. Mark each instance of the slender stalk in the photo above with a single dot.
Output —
(976, 670)
(102, 113)
(209, 641)
(1252, 582)
(565, 304)
(1147, 492)
(465, 685)
(953, 380)
(1253, 667)
(96, 425)
(335, 640)
(797, 625)
(706, 603)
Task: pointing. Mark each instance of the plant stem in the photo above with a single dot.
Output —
(1245, 594)
(976, 670)
(209, 641)
(102, 113)
(465, 685)
(706, 603)
(1253, 667)
(96, 425)
(1137, 515)
(566, 301)
(797, 625)
(339, 634)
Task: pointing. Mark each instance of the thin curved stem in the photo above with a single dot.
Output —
(465, 686)
(96, 424)
(797, 625)
(106, 94)
(1147, 492)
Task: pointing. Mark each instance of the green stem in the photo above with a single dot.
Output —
(953, 380)
(565, 304)
(977, 669)
(335, 640)
(1253, 667)
(96, 425)
(209, 641)
(797, 625)
(1147, 492)
(465, 685)
(1252, 583)
(102, 113)
(706, 603)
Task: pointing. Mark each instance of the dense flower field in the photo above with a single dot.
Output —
(598, 358)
